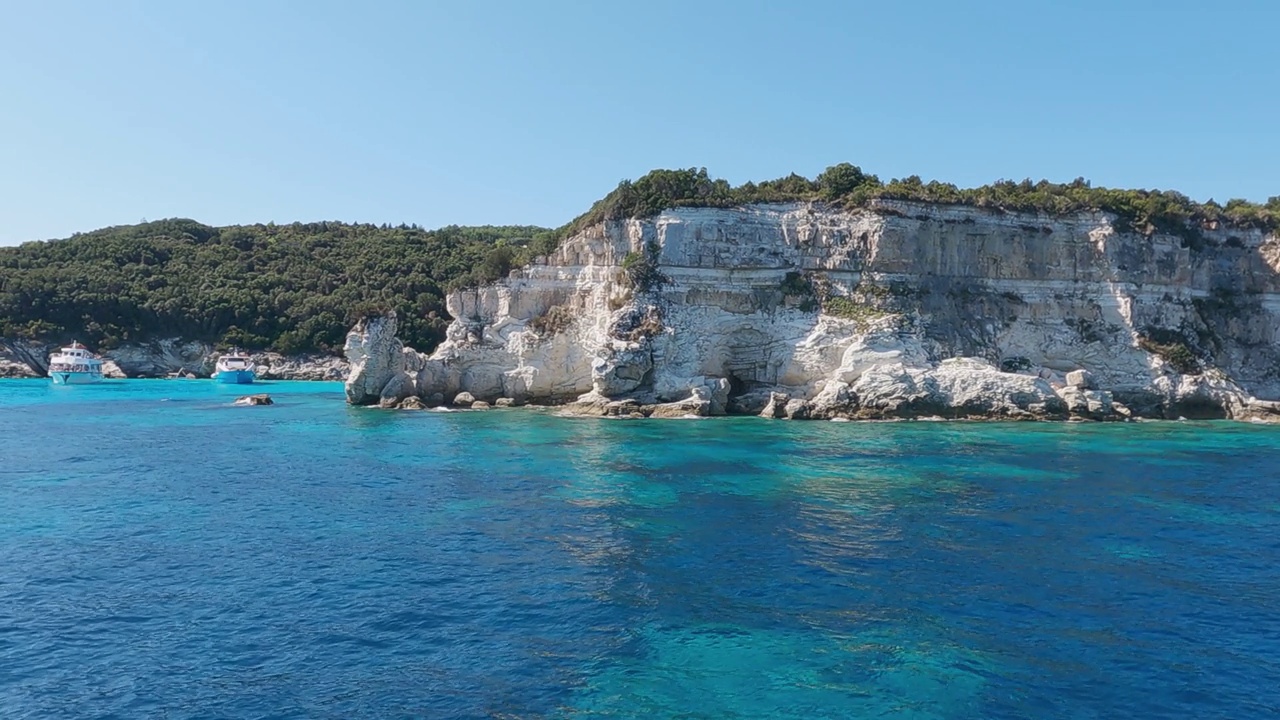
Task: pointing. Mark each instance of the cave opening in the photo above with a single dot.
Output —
(736, 385)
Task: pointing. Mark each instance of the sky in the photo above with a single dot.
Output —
(494, 112)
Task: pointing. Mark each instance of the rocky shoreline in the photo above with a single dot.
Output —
(956, 389)
(899, 311)
(170, 358)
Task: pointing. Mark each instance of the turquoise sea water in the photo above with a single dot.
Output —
(163, 554)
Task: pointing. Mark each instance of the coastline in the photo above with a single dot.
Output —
(897, 310)
(560, 411)
(170, 357)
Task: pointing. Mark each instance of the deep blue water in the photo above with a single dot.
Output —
(163, 554)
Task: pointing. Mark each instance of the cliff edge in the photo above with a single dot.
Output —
(900, 309)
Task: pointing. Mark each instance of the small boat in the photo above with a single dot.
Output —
(234, 368)
(75, 365)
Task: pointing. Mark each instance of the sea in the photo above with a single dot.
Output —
(165, 554)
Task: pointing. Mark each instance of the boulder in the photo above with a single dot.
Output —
(479, 405)
(698, 403)
(413, 402)
(1100, 405)
(970, 387)
(776, 406)
(591, 404)
(1207, 396)
(504, 402)
(399, 387)
(796, 409)
(111, 370)
(623, 408)
(718, 392)
(896, 391)
(1074, 397)
(260, 399)
(464, 399)
(835, 400)
(1090, 404)
(1082, 379)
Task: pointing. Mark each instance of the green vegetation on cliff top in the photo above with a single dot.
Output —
(298, 287)
(845, 185)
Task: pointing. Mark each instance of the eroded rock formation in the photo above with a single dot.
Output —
(900, 310)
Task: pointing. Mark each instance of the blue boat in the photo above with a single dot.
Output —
(234, 368)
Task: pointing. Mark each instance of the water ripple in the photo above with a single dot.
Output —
(184, 559)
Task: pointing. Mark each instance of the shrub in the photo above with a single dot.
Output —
(555, 320)
(641, 268)
(1172, 347)
(843, 307)
(846, 185)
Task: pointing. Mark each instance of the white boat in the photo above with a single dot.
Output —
(234, 368)
(75, 365)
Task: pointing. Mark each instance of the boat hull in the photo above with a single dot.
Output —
(75, 378)
(234, 377)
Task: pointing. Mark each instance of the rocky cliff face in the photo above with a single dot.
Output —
(20, 358)
(900, 310)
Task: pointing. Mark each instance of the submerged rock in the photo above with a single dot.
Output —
(259, 399)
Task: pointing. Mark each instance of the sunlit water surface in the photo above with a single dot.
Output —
(163, 554)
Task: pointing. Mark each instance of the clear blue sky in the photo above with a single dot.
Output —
(525, 112)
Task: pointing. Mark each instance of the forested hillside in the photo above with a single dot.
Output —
(289, 288)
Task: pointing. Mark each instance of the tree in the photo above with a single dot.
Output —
(839, 180)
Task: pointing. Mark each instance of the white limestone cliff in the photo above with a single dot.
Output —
(899, 310)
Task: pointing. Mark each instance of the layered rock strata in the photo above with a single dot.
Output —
(896, 311)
